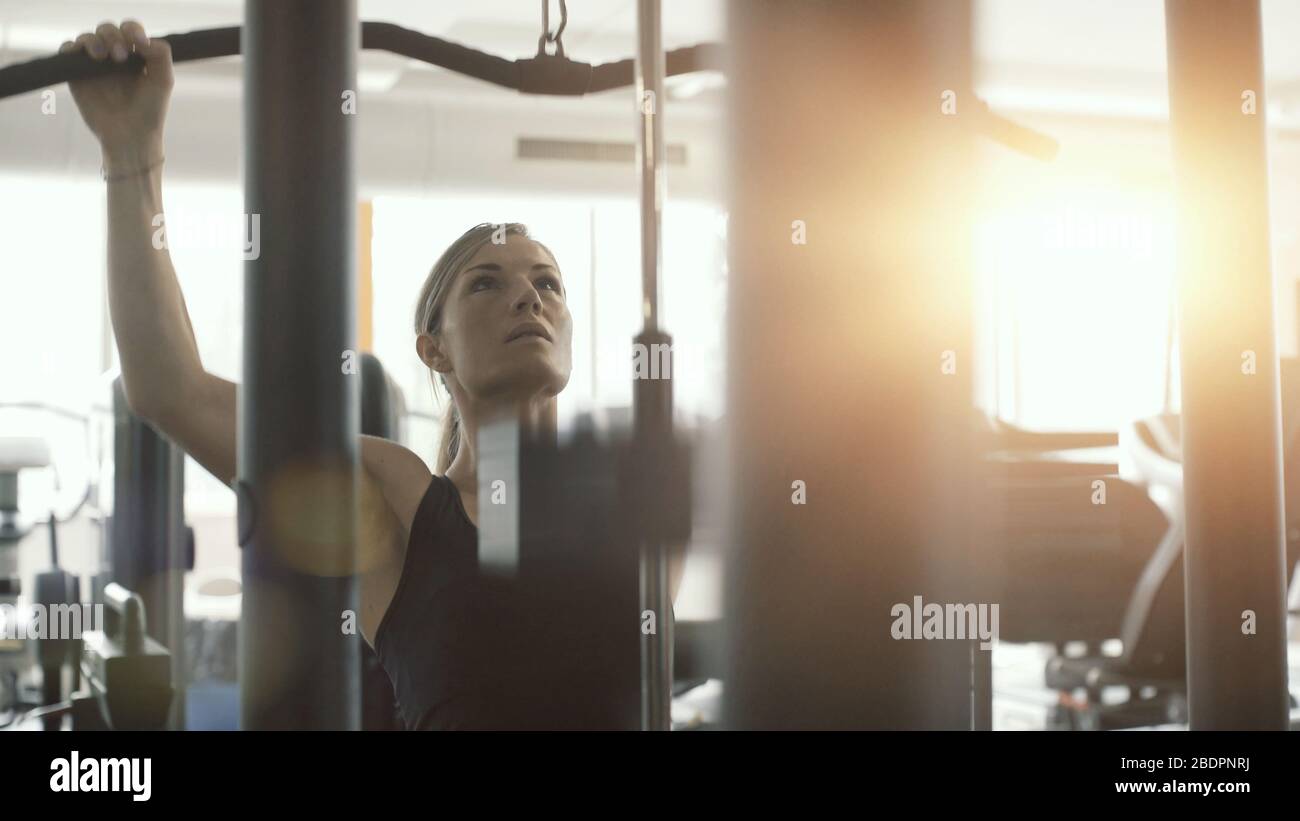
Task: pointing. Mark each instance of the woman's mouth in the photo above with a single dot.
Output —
(529, 330)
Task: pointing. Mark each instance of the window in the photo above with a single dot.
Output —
(53, 322)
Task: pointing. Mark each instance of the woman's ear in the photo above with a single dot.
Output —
(431, 354)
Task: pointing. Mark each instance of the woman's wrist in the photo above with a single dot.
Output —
(131, 158)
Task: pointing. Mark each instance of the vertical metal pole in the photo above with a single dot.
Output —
(652, 398)
(1232, 456)
(650, 147)
(849, 363)
(298, 408)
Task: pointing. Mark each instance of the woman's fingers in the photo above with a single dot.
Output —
(158, 62)
(110, 41)
(114, 41)
(93, 46)
(135, 35)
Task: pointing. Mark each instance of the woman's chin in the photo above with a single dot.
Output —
(529, 380)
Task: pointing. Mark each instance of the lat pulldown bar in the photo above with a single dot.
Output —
(543, 74)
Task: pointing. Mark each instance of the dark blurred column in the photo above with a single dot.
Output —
(1232, 457)
(298, 409)
(850, 361)
(148, 540)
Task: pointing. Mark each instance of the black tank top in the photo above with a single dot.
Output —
(467, 652)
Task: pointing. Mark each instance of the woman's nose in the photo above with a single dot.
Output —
(529, 300)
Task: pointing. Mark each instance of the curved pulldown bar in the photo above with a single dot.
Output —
(544, 74)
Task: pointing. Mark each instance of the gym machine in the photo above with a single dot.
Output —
(16, 455)
(149, 545)
(298, 449)
(870, 497)
(1152, 666)
(135, 680)
(644, 476)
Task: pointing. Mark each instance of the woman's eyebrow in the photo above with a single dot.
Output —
(495, 268)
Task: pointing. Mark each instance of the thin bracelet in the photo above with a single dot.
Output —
(129, 174)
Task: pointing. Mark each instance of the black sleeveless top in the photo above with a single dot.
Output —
(464, 651)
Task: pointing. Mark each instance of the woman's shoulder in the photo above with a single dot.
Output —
(402, 476)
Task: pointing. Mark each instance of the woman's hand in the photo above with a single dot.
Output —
(124, 111)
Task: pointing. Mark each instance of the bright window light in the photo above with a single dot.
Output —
(1076, 298)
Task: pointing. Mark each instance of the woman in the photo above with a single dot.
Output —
(491, 320)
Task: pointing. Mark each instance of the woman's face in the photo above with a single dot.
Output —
(506, 330)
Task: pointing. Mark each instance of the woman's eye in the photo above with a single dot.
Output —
(481, 281)
(551, 281)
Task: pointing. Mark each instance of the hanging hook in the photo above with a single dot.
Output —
(547, 37)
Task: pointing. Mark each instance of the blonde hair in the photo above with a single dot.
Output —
(433, 295)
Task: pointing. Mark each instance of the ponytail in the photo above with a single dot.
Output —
(449, 444)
